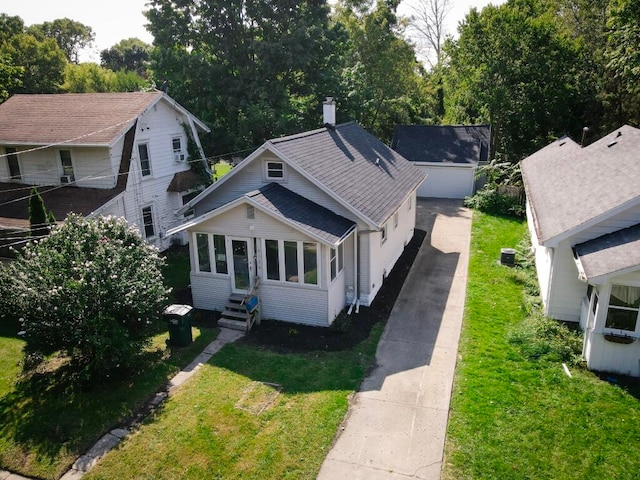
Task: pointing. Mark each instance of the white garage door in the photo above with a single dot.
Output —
(446, 181)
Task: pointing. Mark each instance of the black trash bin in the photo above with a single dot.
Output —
(178, 318)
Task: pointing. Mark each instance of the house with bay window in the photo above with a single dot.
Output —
(122, 154)
(307, 223)
(583, 212)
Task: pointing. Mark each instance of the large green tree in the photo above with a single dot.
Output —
(91, 77)
(130, 54)
(380, 75)
(251, 70)
(515, 67)
(70, 35)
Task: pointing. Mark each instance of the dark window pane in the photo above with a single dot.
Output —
(340, 257)
(220, 251)
(14, 165)
(147, 221)
(145, 164)
(273, 259)
(291, 261)
(204, 261)
(333, 262)
(622, 319)
(310, 263)
(275, 170)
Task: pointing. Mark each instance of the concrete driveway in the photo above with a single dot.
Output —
(397, 422)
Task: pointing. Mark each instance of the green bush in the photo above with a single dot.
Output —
(489, 200)
(90, 291)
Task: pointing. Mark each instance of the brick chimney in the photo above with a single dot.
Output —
(329, 112)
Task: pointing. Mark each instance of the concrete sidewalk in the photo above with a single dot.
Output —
(397, 422)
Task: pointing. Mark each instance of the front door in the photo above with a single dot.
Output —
(241, 265)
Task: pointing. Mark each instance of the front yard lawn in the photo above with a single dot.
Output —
(517, 418)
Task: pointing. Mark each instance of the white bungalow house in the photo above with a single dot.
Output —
(449, 155)
(122, 154)
(318, 219)
(583, 211)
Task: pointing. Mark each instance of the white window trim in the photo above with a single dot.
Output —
(179, 156)
(281, 263)
(266, 170)
(150, 174)
(410, 201)
(213, 265)
(154, 223)
(618, 331)
(334, 255)
(384, 234)
(395, 220)
(15, 153)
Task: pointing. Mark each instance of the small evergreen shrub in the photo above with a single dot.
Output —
(489, 200)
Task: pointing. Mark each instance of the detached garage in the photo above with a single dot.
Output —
(449, 154)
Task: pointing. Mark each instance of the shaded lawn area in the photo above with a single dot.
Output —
(513, 418)
(45, 424)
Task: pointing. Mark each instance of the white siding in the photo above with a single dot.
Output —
(295, 304)
(543, 259)
(210, 292)
(383, 256)
(447, 180)
(337, 290)
(566, 290)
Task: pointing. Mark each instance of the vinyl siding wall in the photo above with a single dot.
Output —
(543, 259)
(565, 289)
(617, 222)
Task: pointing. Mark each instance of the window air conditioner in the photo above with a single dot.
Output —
(178, 157)
(67, 179)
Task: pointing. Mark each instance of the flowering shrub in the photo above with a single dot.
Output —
(91, 290)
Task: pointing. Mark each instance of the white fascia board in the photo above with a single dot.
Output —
(182, 110)
(323, 187)
(554, 241)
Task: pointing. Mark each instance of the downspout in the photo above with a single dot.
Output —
(356, 263)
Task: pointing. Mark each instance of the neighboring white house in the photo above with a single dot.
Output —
(448, 154)
(318, 219)
(583, 210)
(122, 154)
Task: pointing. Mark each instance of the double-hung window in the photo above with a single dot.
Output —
(275, 170)
(65, 160)
(336, 261)
(147, 222)
(12, 162)
(176, 145)
(624, 306)
(145, 161)
(211, 251)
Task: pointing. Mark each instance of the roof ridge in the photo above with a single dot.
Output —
(308, 133)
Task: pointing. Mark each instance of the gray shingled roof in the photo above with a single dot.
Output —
(83, 118)
(568, 186)
(354, 165)
(610, 253)
(304, 213)
(443, 143)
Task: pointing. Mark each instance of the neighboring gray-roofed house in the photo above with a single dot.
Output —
(448, 154)
(122, 154)
(583, 210)
(309, 222)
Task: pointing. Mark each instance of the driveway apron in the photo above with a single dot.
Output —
(396, 425)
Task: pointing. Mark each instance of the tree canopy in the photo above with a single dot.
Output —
(131, 55)
(71, 36)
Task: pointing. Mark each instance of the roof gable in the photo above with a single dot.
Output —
(75, 118)
(348, 164)
(464, 144)
(571, 188)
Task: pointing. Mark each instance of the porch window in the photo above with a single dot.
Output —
(291, 261)
(12, 162)
(336, 261)
(145, 162)
(220, 251)
(624, 305)
(204, 258)
(272, 259)
(310, 257)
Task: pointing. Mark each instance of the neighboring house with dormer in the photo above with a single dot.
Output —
(315, 221)
(583, 211)
(449, 155)
(122, 154)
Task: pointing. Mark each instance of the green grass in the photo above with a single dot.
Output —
(46, 424)
(203, 434)
(517, 418)
(220, 169)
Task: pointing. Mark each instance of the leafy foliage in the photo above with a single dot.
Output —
(39, 218)
(130, 55)
(70, 35)
(89, 77)
(92, 290)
